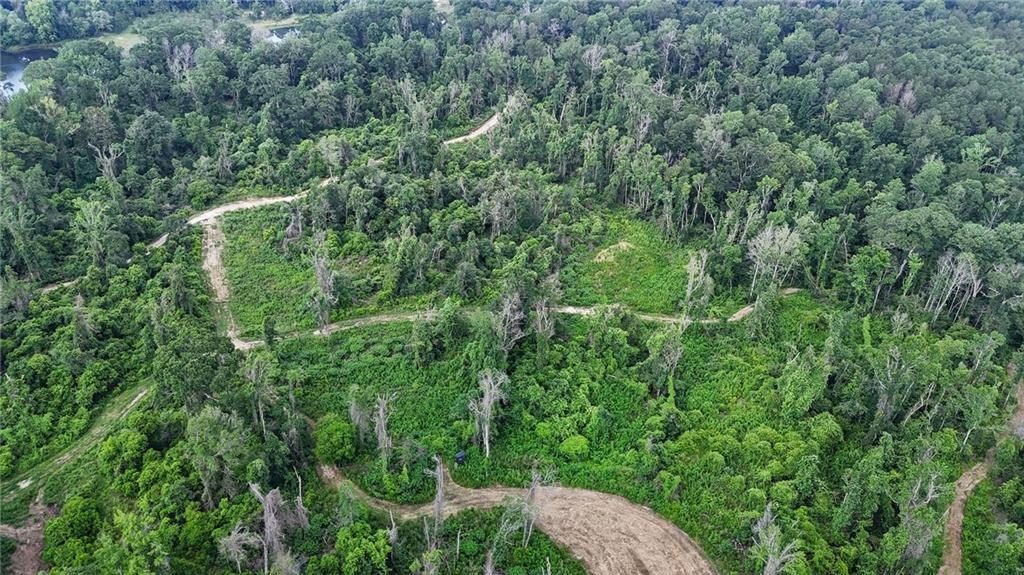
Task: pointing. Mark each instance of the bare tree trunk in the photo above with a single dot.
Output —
(491, 383)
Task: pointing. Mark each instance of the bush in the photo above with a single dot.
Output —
(574, 447)
(335, 439)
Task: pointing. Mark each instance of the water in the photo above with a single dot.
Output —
(13, 67)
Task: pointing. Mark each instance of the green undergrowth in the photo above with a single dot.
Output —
(475, 531)
(585, 413)
(631, 262)
(269, 277)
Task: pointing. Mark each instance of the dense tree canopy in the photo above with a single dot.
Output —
(653, 163)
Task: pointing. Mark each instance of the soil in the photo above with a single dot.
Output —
(484, 128)
(27, 558)
(608, 533)
(952, 555)
(213, 265)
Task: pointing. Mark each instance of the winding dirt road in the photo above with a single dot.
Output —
(952, 554)
(201, 218)
(609, 534)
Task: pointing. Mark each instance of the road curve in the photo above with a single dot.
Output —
(213, 213)
(609, 534)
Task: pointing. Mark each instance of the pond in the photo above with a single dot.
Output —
(13, 66)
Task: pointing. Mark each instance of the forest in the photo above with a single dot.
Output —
(512, 287)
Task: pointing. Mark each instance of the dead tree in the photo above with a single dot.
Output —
(768, 547)
(530, 508)
(919, 531)
(380, 427)
(324, 298)
(301, 514)
(489, 564)
(179, 59)
(262, 391)
(774, 252)
(491, 383)
(509, 321)
(235, 546)
(699, 286)
(359, 418)
(956, 282)
(106, 159)
(438, 474)
(273, 531)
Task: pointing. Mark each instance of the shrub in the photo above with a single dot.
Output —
(574, 447)
(335, 439)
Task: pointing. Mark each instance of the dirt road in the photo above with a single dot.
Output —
(609, 534)
(482, 129)
(952, 554)
(213, 213)
(213, 265)
(27, 558)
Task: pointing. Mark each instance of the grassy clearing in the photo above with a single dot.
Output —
(268, 24)
(264, 281)
(269, 278)
(633, 265)
(124, 40)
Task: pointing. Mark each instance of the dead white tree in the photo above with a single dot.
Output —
(300, 516)
(699, 285)
(491, 383)
(509, 321)
(106, 159)
(324, 298)
(530, 508)
(438, 506)
(543, 319)
(593, 56)
(489, 564)
(179, 59)
(273, 531)
(359, 418)
(380, 426)
(774, 252)
(235, 546)
(956, 282)
(919, 531)
(768, 547)
(263, 392)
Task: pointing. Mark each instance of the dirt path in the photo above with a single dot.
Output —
(952, 554)
(482, 129)
(118, 408)
(213, 265)
(213, 213)
(609, 534)
(27, 558)
(213, 247)
(200, 218)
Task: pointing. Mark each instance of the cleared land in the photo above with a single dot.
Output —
(608, 533)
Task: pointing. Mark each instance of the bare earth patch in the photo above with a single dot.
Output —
(608, 254)
(609, 534)
(27, 558)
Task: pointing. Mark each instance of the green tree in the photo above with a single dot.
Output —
(335, 439)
